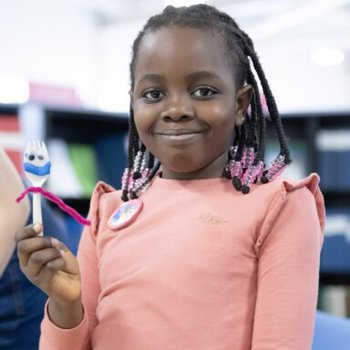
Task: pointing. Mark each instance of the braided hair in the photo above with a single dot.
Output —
(246, 156)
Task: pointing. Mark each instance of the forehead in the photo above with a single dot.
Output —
(179, 49)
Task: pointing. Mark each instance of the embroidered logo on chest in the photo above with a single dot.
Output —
(209, 219)
(125, 214)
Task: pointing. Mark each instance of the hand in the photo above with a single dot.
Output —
(49, 265)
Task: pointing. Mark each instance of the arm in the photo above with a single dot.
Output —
(13, 216)
(79, 337)
(289, 252)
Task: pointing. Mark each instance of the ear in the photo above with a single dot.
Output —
(131, 94)
(243, 98)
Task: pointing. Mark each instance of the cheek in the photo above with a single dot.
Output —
(224, 126)
(144, 124)
(222, 116)
(142, 119)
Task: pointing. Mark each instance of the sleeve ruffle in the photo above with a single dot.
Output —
(284, 188)
(100, 189)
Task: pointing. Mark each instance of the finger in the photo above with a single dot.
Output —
(28, 232)
(27, 246)
(48, 272)
(70, 265)
(65, 267)
(39, 259)
(56, 264)
(70, 262)
(59, 284)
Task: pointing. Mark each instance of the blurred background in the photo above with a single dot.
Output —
(64, 78)
(85, 45)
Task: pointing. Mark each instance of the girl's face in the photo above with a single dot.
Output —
(185, 101)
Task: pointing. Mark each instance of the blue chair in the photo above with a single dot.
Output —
(331, 332)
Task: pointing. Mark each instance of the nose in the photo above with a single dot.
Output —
(178, 108)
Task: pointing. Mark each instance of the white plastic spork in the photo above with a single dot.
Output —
(36, 166)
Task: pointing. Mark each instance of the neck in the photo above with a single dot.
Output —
(213, 170)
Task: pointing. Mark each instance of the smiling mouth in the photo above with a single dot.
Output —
(179, 132)
(178, 135)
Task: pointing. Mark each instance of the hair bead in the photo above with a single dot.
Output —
(251, 175)
(277, 166)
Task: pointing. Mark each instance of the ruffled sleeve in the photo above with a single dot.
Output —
(100, 189)
(308, 187)
(288, 251)
(79, 338)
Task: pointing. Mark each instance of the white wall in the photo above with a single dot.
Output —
(300, 85)
(52, 44)
(61, 44)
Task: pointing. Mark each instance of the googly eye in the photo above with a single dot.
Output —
(31, 157)
(40, 157)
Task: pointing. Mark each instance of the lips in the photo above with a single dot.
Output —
(177, 132)
(178, 136)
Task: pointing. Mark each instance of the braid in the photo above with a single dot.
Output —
(246, 156)
(257, 110)
(256, 169)
(236, 175)
(127, 175)
(271, 104)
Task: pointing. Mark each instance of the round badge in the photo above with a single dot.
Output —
(125, 214)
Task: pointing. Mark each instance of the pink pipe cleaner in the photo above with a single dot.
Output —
(72, 212)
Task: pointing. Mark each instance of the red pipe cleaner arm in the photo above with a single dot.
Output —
(72, 212)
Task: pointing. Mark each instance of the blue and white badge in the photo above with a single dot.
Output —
(125, 214)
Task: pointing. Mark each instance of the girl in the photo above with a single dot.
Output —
(188, 261)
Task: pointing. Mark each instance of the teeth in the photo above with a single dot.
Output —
(179, 137)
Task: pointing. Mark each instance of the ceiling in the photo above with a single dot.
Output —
(305, 20)
(286, 34)
(263, 19)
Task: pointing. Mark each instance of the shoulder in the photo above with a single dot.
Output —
(295, 212)
(104, 198)
(283, 185)
(294, 196)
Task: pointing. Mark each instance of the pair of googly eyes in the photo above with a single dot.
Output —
(32, 157)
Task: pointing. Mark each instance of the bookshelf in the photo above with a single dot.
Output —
(10, 138)
(94, 136)
(327, 151)
(93, 141)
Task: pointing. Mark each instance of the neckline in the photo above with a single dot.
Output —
(195, 184)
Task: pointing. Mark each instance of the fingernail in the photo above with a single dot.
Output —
(55, 242)
(58, 245)
(37, 228)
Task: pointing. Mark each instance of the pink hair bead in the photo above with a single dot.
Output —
(233, 151)
(250, 176)
(125, 178)
(277, 167)
(236, 169)
(248, 157)
(252, 173)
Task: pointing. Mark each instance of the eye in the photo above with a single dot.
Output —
(153, 95)
(31, 157)
(204, 92)
(40, 157)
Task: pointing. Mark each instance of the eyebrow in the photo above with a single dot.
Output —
(151, 77)
(202, 74)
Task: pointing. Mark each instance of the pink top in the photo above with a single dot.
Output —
(201, 267)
